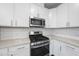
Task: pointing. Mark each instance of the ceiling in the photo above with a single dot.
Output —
(51, 5)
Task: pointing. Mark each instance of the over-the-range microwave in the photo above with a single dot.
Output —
(37, 22)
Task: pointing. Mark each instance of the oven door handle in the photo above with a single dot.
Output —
(40, 45)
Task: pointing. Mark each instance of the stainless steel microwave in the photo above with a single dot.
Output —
(37, 22)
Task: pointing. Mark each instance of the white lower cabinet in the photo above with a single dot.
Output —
(60, 48)
(51, 48)
(4, 52)
(22, 50)
(56, 47)
(67, 50)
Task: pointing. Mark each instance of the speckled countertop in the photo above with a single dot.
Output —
(13, 42)
(73, 40)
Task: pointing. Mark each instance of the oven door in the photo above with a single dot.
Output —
(40, 51)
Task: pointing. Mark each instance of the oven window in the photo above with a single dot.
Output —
(41, 51)
(36, 22)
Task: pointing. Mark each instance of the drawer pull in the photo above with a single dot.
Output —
(70, 47)
(11, 54)
(11, 22)
(21, 48)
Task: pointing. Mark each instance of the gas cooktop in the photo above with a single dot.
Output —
(36, 38)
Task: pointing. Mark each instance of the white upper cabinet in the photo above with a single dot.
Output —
(62, 16)
(21, 16)
(67, 15)
(45, 16)
(6, 14)
(37, 10)
(18, 14)
(52, 18)
(73, 14)
(43, 13)
(34, 10)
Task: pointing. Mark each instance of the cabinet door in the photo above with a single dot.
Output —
(52, 18)
(23, 50)
(73, 14)
(43, 13)
(6, 14)
(46, 14)
(56, 47)
(51, 47)
(4, 52)
(62, 15)
(34, 10)
(22, 14)
(76, 51)
(67, 50)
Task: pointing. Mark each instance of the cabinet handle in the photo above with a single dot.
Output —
(16, 23)
(11, 22)
(21, 48)
(11, 54)
(60, 48)
(68, 24)
(70, 47)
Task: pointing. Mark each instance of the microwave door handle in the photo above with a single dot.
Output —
(43, 23)
(29, 21)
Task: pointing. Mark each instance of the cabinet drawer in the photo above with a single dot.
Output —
(18, 47)
(75, 50)
(69, 50)
(4, 52)
(22, 50)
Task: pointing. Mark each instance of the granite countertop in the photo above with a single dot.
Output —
(13, 42)
(73, 40)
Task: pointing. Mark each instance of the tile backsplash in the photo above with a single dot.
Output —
(65, 31)
(13, 33)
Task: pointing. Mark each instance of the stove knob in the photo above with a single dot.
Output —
(32, 44)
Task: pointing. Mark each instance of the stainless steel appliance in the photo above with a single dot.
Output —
(39, 44)
(37, 22)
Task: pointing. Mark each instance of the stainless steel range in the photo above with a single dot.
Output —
(39, 44)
